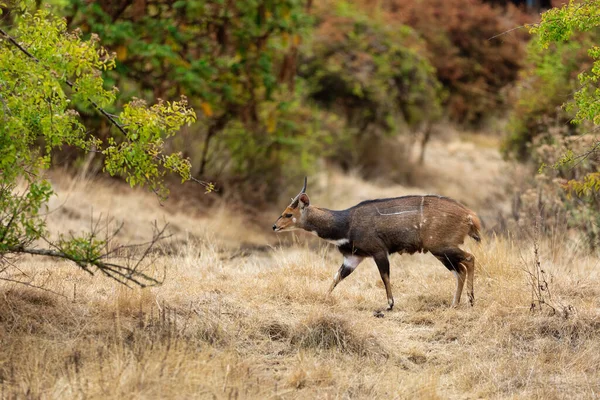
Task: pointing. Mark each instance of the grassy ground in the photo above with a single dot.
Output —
(243, 313)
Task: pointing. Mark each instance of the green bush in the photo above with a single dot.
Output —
(233, 60)
(559, 86)
(544, 85)
(237, 62)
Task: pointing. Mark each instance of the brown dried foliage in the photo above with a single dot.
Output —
(472, 45)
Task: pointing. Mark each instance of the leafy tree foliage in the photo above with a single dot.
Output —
(46, 73)
(374, 74)
(564, 45)
(545, 82)
(235, 60)
(559, 25)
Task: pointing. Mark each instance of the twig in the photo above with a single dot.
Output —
(32, 286)
(110, 270)
(508, 31)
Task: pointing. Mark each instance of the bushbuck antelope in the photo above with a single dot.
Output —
(378, 228)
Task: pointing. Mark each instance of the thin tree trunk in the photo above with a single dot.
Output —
(212, 131)
(424, 141)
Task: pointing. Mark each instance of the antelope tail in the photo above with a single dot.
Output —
(475, 227)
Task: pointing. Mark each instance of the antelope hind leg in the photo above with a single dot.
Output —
(461, 273)
(383, 264)
(469, 264)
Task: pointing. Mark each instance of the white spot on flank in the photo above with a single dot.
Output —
(396, 213)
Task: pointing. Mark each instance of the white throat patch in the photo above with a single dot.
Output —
(338, 242)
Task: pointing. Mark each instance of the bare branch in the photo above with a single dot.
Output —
(509, 31)
(31, 285)
(98, 255)
(110, 270)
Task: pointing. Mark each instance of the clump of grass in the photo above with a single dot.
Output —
(573, 331)
(31, 311)
(298, 378)
(330, 332)
(276, 331)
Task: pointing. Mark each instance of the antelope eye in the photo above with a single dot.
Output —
(287, 215)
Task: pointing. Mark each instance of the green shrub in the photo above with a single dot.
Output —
(544, 85)
(563, 78)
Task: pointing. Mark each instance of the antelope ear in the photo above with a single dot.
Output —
(304, 200)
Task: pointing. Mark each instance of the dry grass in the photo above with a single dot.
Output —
(236, 321)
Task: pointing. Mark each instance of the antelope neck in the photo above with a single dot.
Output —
(328, 224)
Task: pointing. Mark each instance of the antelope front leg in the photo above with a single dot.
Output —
(350, 263)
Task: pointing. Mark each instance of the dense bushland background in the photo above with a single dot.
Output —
(281, 85)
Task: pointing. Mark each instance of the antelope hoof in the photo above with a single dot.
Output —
(378, 314)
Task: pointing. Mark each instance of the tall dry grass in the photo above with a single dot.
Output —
(237, 320)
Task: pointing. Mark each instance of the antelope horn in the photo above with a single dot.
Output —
(295, 199)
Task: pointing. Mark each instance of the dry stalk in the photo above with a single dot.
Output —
(541, 294)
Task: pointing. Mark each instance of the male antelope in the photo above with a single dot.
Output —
(378, 228)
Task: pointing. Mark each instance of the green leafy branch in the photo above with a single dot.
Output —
(143, 127)
(42, 84)
(560, 25)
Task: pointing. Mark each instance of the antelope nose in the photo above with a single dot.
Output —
(274, 226)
